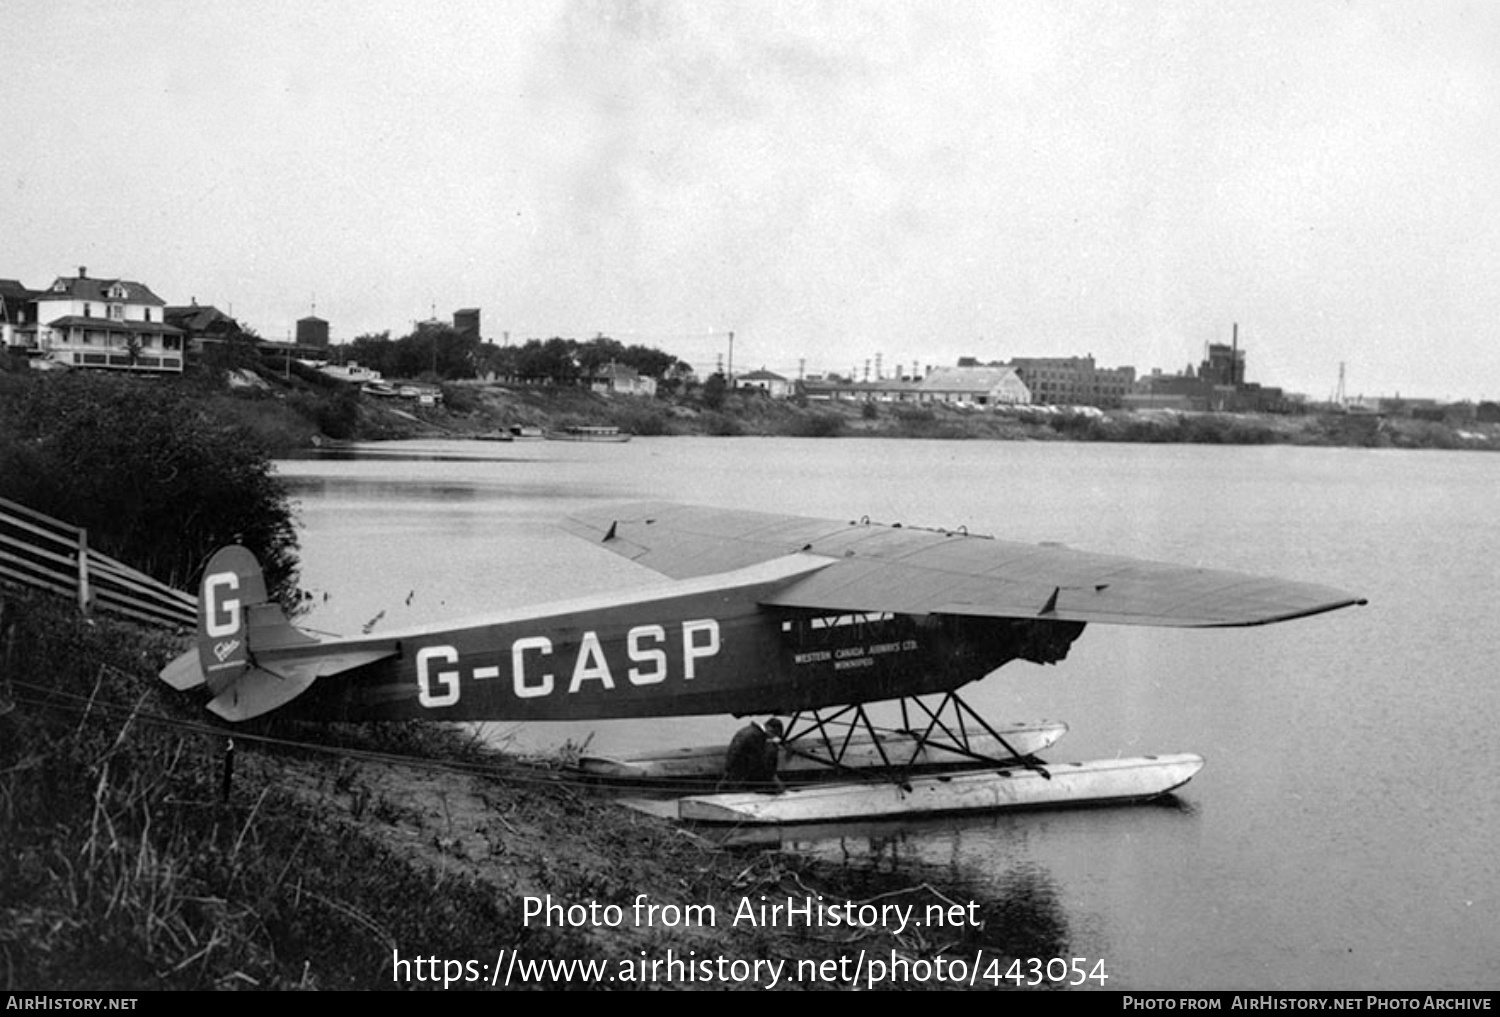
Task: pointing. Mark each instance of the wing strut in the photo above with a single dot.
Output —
(959, 741)
(945, 733)
(817, 726)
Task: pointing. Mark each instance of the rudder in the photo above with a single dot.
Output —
(232, 583)
(236, 617)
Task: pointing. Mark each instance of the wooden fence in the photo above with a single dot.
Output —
(47, 554)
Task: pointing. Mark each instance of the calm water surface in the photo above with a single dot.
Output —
(1343, 832)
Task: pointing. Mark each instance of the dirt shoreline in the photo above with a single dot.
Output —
(650, 903)
(342, 855)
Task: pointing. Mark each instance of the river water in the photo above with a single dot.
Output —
(1342, 834)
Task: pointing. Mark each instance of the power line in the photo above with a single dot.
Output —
(43, 697)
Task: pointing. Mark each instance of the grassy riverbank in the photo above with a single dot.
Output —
(300, 410)
(340, 850)
(478, 409)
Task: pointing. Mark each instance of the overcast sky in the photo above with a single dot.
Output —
(830, 182)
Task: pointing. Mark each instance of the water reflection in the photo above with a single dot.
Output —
(1020, 915)
(392, 490)
(1021, 868)
(932, 840)
(1017, 909)
(448, 453)
(1325, 844)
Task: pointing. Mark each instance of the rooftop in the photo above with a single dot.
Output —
(83, 287)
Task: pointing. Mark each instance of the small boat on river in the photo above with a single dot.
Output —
(588, 433)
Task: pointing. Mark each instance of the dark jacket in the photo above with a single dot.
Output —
(752, 757)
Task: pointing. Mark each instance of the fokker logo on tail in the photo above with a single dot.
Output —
(248, 655)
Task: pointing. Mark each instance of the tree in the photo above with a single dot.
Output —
(373, 350)
(432, 349)
(553, 360)
(714, 390)
(233, 350)
(598, 353)
(654, 363)
(155, 477)
(499, 360)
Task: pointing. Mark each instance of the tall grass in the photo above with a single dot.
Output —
(124, 867)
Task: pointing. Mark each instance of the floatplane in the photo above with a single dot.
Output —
(810, 619)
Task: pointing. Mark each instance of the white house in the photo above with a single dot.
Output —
(769, 382)
(975, 386)
(115, 324)
(622, 380)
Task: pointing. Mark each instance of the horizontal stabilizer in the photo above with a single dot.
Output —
(184, 673)
(248, 654)
(261, 689)
(264, 689)
(256, 692)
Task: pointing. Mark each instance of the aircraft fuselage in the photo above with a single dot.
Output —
(688, 651)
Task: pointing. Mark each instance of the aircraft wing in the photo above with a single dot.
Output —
(909, 570)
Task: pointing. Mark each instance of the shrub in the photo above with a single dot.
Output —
(1078, 425)
(721, 426)
(818, 425)
(714, 391)
(456, 398)
(275, 424)
(125, 868)
(338, 414)
(640, 417)
(157, 479)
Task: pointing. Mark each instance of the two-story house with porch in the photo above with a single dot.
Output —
(106, 323)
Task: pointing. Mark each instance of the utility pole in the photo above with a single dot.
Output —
(730, 377)
(1235, 375)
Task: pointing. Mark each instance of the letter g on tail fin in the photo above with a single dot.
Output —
(252, 658)
(232, 585)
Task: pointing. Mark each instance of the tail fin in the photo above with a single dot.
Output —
(235, 618)
(233, 585)
(238, 621)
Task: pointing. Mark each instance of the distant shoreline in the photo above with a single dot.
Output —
(482, 409)
(306, 410)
